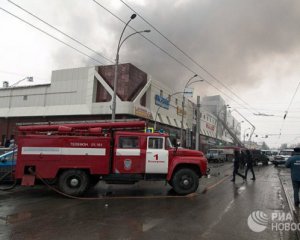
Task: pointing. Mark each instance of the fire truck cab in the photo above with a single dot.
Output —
(78, 156)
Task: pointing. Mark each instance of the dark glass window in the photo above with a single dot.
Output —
(155, 143)
(129, 142)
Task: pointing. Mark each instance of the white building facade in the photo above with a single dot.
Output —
(85, 94)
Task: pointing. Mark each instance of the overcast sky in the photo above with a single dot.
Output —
(251, 47)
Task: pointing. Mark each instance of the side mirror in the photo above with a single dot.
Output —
(175, 144)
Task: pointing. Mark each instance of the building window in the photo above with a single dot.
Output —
(175, 122)
(100, 93)
(155, 143)
(128, 142)
(25, 97)
(161, 93)
(160, 118)
(168, 120)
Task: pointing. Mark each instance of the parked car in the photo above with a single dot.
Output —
(282, 156)
(259, 157)
(215, 155)
(270, 154)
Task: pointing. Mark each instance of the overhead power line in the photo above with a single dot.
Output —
(287, 110)
(185, 54)
(60, 31)
(48, 34)
(169, 55)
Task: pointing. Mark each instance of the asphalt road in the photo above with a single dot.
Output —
(148, 210)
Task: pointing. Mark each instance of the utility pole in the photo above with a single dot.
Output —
(198, 124)
(182, 118)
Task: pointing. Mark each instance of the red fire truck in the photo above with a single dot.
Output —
(77, 156)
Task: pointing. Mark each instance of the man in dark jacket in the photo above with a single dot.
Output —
(236, 165)
(249, 161)
(294, 164)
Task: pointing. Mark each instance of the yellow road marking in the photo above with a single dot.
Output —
(215, 184)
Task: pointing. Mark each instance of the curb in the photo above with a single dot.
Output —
(291, 205)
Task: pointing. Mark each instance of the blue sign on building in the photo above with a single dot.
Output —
(162, 102)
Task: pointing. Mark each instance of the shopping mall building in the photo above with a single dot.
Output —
(85, 94)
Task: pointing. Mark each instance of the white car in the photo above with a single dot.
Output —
(215, 155)
(282, 156)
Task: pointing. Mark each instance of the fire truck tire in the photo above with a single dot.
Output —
(73, 182)
(185, 181)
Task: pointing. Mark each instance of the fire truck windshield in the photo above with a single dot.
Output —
(168, 143)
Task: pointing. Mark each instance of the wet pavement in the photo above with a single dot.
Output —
(149, 210)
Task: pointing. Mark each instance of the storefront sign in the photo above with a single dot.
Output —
(210, 126)
(208, 140)
(143, 112)
(179, 111)
(188, 92)
(162, 102)
(212, 141)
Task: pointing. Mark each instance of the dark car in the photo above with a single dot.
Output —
(259, 157)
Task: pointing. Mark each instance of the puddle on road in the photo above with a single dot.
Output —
(241, 189)
(151, 224)
(18, 217)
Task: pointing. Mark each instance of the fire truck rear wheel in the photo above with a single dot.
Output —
(185, 181)
(73, 182)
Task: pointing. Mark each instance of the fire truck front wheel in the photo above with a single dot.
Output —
(185, 181)
(73, 182)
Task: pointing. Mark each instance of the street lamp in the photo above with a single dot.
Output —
(29, 79)
(245, 134)
(183, 103)
(113, 116)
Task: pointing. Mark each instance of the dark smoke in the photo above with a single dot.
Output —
(226, 37)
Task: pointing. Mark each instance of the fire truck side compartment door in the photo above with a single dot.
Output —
(129, 157)
(157, 158)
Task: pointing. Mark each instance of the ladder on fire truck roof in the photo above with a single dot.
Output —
(75, 122)
(89, 128)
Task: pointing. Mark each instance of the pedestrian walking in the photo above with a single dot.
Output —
(249, 162)
(294, 164)
(243, 160)
(236, 166)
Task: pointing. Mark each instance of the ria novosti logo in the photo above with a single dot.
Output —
(258, 221)
(279, 221)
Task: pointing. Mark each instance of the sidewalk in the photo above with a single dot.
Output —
(285, 179)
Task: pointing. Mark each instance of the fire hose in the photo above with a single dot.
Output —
(9, 186)
(31, 171)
